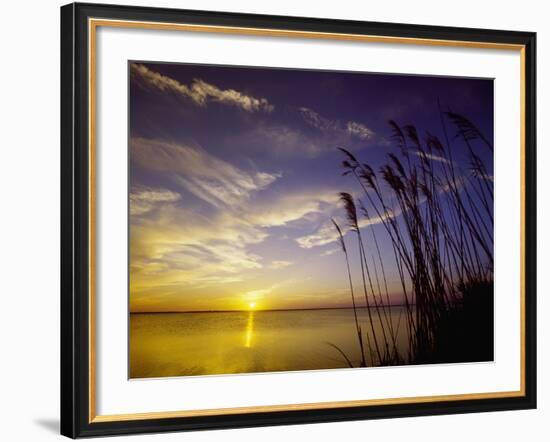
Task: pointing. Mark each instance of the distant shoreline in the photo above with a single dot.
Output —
(267, 310)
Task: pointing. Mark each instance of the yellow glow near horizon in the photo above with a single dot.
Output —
(251, 305)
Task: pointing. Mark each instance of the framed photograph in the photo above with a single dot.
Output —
(279, 220)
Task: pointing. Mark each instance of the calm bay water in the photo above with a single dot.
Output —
(184, 344)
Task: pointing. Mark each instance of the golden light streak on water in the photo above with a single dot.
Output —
(249, 330)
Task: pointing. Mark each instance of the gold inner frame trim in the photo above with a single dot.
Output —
(93, 24)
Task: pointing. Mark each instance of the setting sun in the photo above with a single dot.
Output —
(251, 305)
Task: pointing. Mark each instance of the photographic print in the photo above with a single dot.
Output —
(288, 219)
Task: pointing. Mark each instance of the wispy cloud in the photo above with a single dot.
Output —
(204, 175)
(351, 128)
(330, 252)
(317, 121)
(431, 157)
(143, 200)
(322, 236)
(292, 207)
(199, 91)
(255, 295)
(260, 293)
(326, 234)
(280, 264)
(359, 130)
(278, 140)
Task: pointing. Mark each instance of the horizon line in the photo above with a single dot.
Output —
(267, 310)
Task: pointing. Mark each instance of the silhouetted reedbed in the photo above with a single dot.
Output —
(438, 217)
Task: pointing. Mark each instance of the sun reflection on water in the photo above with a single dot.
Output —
(249, 330)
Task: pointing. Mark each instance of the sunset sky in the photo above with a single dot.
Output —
(235, 174)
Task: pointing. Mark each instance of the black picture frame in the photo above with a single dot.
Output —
(75, 220)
